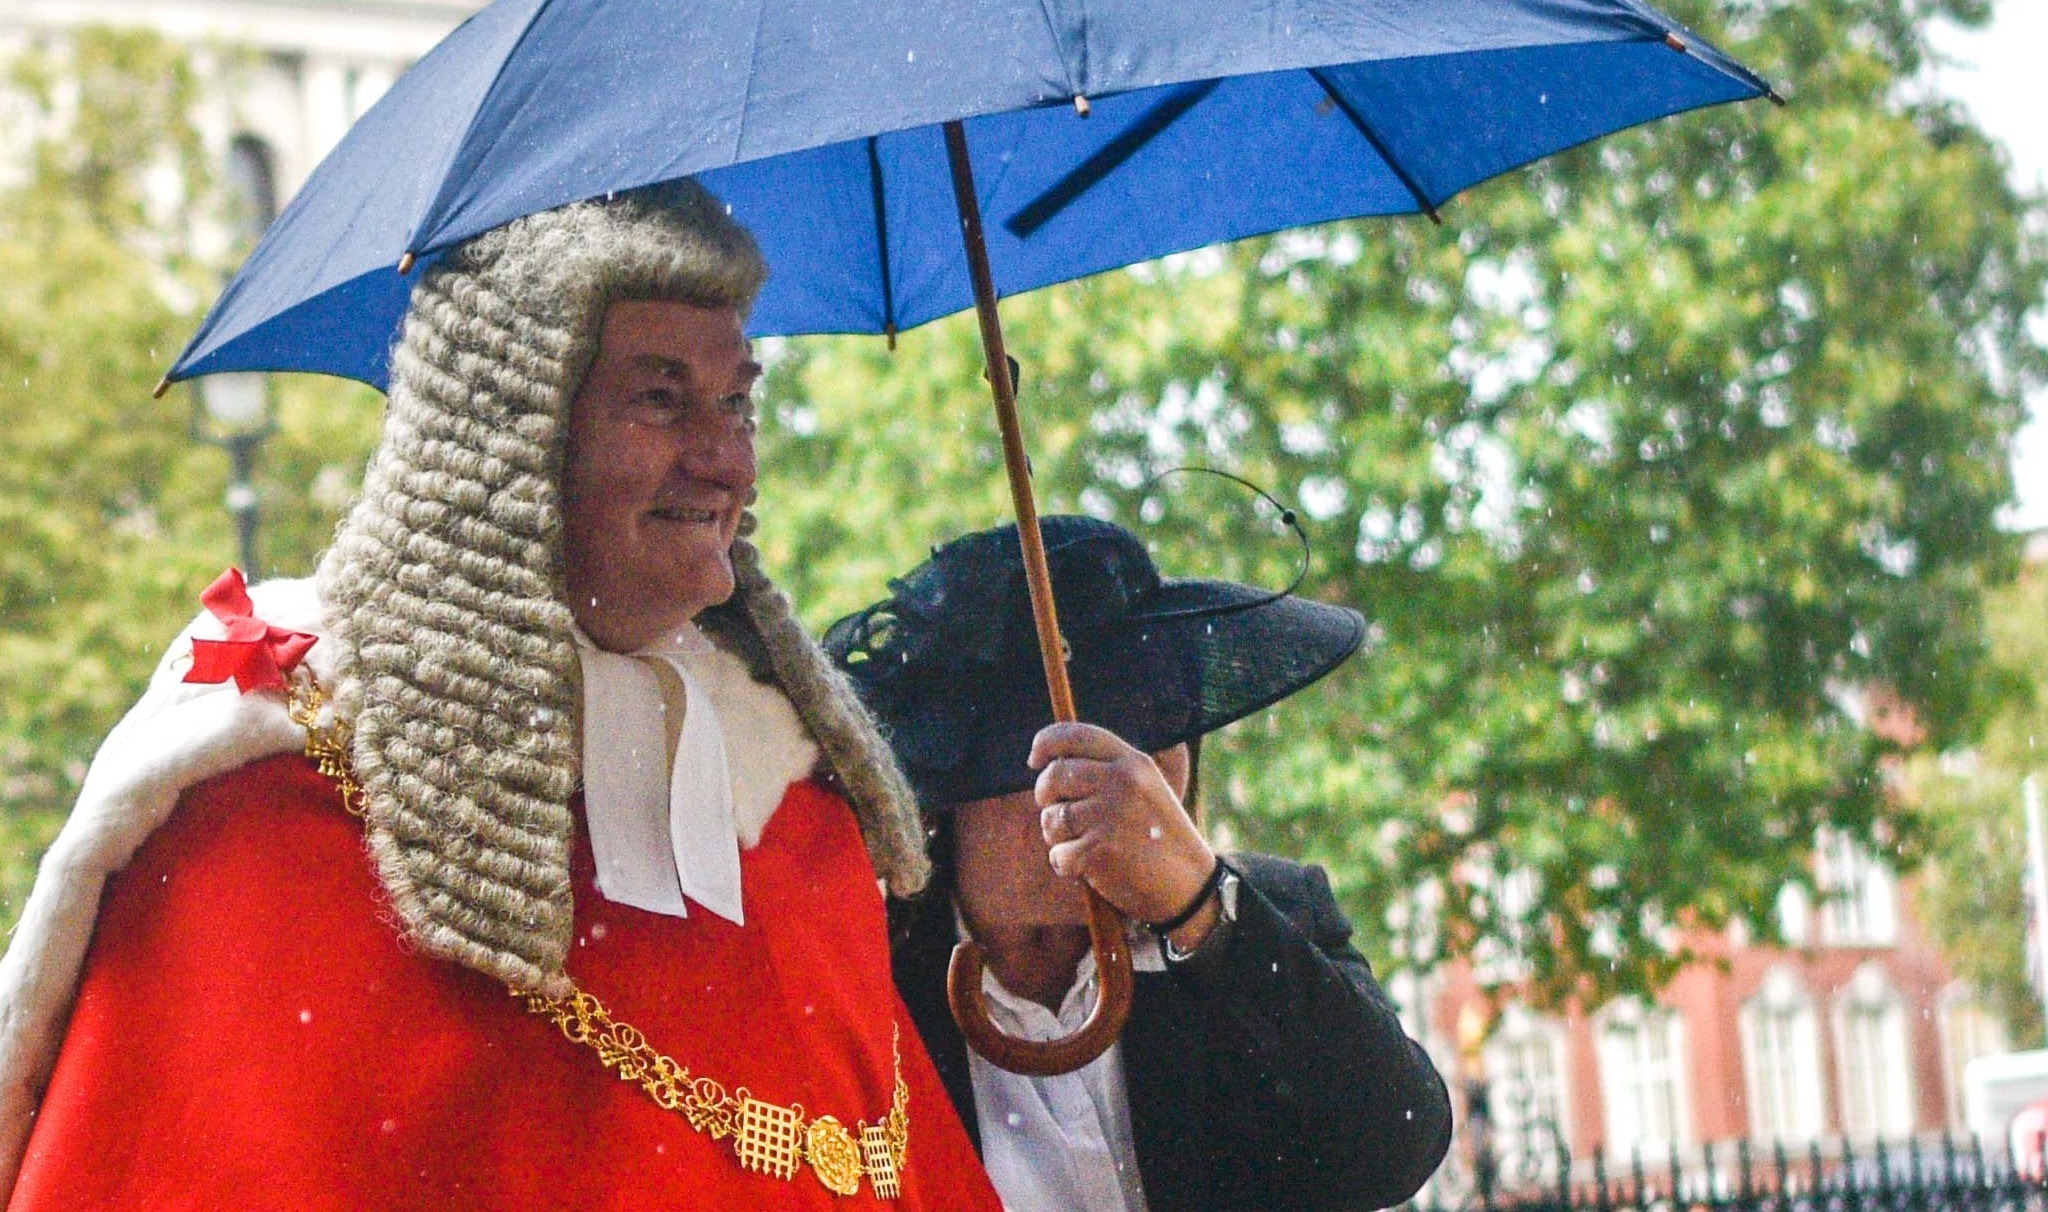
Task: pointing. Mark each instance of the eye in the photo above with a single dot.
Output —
(739, 404)
(662, 406)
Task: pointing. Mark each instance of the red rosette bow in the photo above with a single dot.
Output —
(254, 653)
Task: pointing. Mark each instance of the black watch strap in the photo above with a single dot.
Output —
(1227, 883)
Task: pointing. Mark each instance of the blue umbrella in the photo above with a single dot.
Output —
(820, 123)
(840, 132)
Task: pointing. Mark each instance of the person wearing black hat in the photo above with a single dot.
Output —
(1262, 1065)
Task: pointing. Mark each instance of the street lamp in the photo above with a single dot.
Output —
(1473, 1026)
(233, 411)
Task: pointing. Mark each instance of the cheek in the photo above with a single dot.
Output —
(603, 497)
(746, 465)
(584, 491)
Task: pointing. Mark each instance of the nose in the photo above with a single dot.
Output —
(721, 448)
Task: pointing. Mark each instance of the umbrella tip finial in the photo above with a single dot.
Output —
(1081, 105)
(162, 385)
(1675, 42)
(890, 332)
(1775, 98)
(405, 263)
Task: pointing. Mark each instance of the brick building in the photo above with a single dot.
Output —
(1855, 1029)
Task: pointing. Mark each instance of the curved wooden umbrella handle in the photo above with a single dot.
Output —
(1105, 925)
(1033, 1058)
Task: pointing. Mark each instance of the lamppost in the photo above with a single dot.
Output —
(1473, 1026)
(233, 411)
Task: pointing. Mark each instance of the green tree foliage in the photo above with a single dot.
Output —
(1973, 897)
(1645, 467)
(111, 514)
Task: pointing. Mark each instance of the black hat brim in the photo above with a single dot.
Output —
(1198, 656)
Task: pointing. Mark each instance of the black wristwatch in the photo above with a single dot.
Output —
(1226, 917)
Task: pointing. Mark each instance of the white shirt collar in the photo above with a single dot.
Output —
(662, 824)
(1060, 1142)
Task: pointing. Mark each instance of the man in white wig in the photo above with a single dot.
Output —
(526, 857)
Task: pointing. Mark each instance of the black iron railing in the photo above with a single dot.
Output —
(1927, 1173)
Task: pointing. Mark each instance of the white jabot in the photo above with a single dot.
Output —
(659, 800)
(1054, 1144)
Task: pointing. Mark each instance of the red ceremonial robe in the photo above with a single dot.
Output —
(251, 1032)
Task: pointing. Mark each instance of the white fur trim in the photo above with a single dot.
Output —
(176, 736)
(765, 741)
(179, 735)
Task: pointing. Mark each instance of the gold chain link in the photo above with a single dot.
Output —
(327, 744)
(768, 1137)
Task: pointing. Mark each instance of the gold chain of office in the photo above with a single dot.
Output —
(769, 1138)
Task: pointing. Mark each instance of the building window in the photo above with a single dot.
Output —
(1642, 1067)
(1859, 897)
(252, 185)
(1795, 915)
(1969, 1030)
(1508, 899)
(1781, 1061)
(1875, 1057)
(1525, 1067)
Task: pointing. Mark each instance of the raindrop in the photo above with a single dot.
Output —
(910, 57)
(305, 1016)
(1014, 1120)
(597, 930)
(1155, 833)
(389, 1126)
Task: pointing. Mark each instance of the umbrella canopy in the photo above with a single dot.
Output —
(1102, 134)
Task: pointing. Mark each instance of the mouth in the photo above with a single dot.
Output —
(687, 515)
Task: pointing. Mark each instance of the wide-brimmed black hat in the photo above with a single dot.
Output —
(949, 662)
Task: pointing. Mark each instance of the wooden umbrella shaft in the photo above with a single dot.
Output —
(1016, 463)
(1106, 927)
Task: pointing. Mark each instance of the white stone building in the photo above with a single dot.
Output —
(294, 74)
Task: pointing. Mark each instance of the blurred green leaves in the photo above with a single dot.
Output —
(112, 515)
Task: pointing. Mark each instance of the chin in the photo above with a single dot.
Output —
(707, 590)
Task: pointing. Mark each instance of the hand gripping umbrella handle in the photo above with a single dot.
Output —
(1105, 926)
(1045, 1059)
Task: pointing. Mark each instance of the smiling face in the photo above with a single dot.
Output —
(660, 463)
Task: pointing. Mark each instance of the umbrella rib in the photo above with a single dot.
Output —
(1379, 145)
(1059, 45)
(1063, 193)
(416, 240)
(882, 240)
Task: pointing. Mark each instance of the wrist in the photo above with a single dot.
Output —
(1191, 935)
(1208, 932)
(1196, 905)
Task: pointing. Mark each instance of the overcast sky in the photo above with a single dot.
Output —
(2000, 74)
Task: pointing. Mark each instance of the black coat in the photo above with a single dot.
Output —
(1270, 1072)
